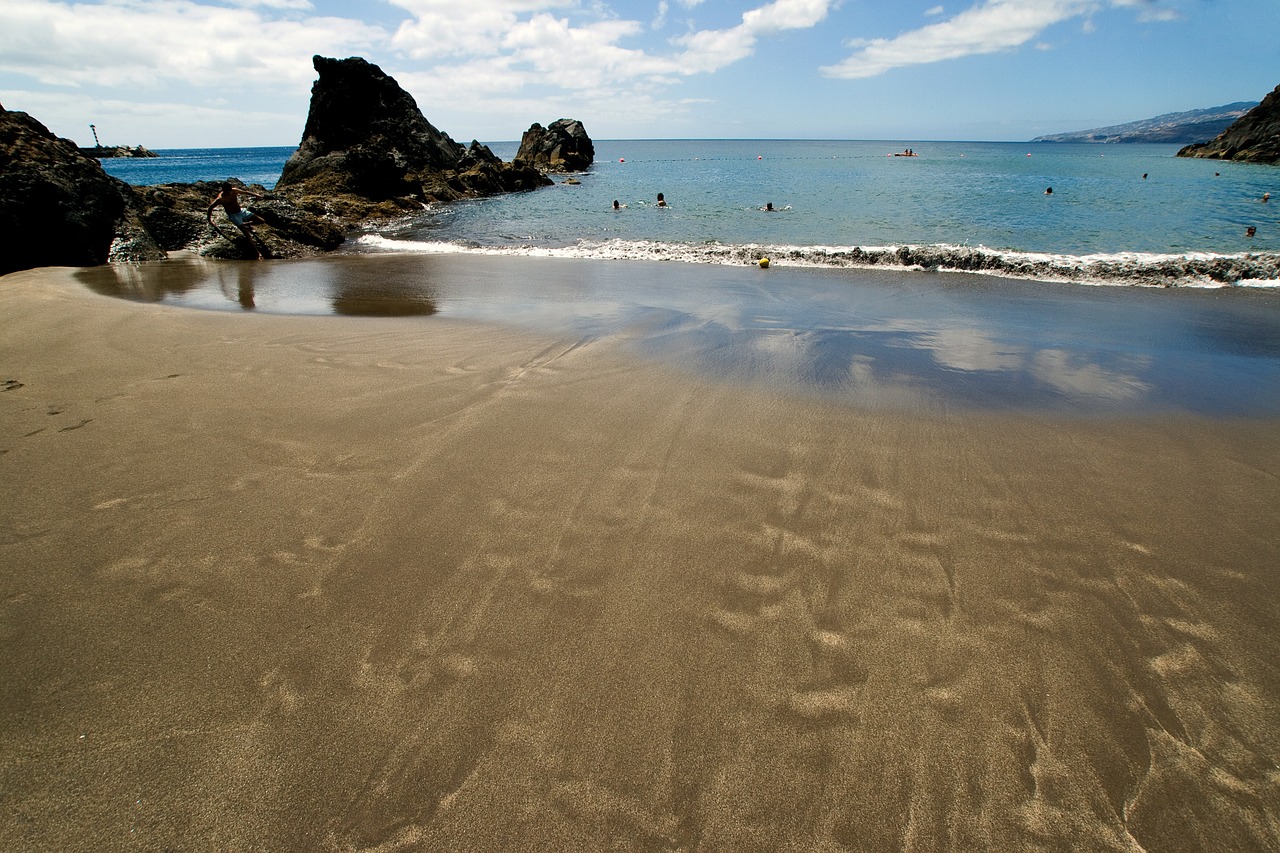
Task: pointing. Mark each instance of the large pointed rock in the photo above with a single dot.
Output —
(366, 137)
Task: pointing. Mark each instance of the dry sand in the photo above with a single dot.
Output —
(282, 583)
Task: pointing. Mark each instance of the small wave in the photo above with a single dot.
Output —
(1190, 269)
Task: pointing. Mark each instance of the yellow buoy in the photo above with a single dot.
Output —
(764, 263)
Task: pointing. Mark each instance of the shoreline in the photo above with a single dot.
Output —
(848, 336)
(1205, 269)
(282, 582)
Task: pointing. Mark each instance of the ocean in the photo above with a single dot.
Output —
(858, 304)
(1114, 210)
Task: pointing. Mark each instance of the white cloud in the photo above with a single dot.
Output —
(660, 19)
(711, 50)
(155, 124)
(934, 12)
(143, 44)
(1150, 10)
(274, 4)
(441, 28)
(991, 26)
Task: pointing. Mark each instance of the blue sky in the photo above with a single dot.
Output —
(198, 73)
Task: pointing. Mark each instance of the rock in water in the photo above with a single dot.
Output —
(57, 207)
(366, 137)
(1254, 137)
(561, 147)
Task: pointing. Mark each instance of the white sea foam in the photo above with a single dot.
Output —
(1190, 269)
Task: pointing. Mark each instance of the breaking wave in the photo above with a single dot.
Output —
(1189, 269)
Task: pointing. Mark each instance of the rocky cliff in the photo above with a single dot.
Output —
(57, 207)
(366, 137)
(1255, 137)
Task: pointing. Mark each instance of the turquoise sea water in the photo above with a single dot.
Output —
(188, 165)
(836, 194)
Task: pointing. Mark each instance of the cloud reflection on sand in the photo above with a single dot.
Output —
(859, 338)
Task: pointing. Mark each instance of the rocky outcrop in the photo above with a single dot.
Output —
(367, 153)
(365, 137)
(1255, 137)
(57, 207)
(175, 215)
(111, 151)
(563, 146)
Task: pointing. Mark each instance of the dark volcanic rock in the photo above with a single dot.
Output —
(176, 216)
(1255, 137)
(365, 137)
(561, 147)
(100, 152)
(57, 207)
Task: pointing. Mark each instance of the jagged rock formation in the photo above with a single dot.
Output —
(1170, 128)
(57, 207)
(175, 217)
(1255, 137)
(366, 137)
(563, 146)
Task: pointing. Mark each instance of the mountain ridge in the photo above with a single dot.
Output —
(1180, 127)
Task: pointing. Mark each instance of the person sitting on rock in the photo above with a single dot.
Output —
(229, 198)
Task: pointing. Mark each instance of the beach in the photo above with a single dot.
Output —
(278, 582)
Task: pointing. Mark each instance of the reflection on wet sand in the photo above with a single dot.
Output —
(864, 338)
(380, 300)
(295, 287)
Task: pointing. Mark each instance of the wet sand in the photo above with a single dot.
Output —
(315, 583)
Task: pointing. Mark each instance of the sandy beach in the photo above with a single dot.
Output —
(426, 583)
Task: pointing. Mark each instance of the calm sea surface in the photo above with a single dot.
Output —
(830, 194)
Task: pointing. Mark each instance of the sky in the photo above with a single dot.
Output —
(200, 73)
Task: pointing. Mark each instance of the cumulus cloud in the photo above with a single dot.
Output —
(991, 26)
(140, 44)
(441, 28)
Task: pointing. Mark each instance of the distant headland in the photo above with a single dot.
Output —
(102, 152)
(1253, 138)
(1171, 128)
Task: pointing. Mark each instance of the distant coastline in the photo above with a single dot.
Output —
(1174, 128)
(103, 152)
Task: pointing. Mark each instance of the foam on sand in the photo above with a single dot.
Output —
(1188, 269)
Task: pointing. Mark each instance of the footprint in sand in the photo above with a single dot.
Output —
(840, 680)
(76, 426)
